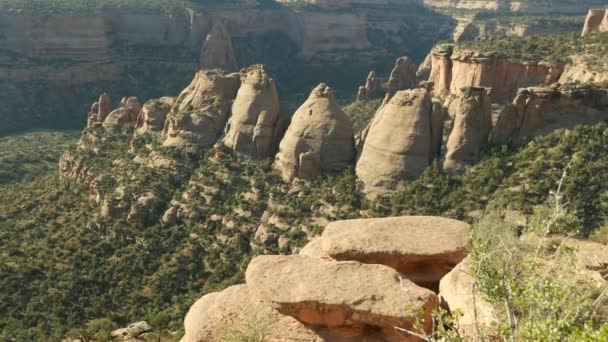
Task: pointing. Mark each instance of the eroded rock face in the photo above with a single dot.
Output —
(596, 21)
(453, 69)
(218, 314)
(540, 110)
(422, 248)
(123, 116)
(217, 52)
(457, 289)
(372, 88)
(399, 143)
(105, 106)
(319, 139)
(334, 294)
(424, 69)
(201, 110)
(472, 115)
(403, 75)
(255, 112)
(153, 115)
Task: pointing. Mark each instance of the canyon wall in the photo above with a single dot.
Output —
(528, 7)
(52, 64)
(453, 69)
(471, 29)
(596, 21)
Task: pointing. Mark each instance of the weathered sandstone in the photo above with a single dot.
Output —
(540, 110)
(596, 21)
(201, 110)
(319, 139)
(372, 88)
(399, 143)
(403, 75)
(217, 52)
(335, 294)
(457, 289)
(123, 116)
(422, 248)
(153, 115)
(453, 69)
(470, 129)
(255, 112)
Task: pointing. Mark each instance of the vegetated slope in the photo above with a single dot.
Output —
(64, 266)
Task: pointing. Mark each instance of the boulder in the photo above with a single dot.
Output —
(201, 110)
(219, 315)
(422, 248)
(403, 75)
(153, 115)
(319, 139)
(398, 144)
(123, 116)
(337, 294)
(458, 291)
(255, 112)
(470, 130)
(217, 51)
(132, 331)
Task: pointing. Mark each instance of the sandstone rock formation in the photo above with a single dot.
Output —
(153, 115)
(540, 110)
(123, 116)
(338, 294)
(105, 106)
(596, 21)
(255, 112)
(217, 51)
(372, 88)
(424, 69)
(582, 69)
(218, 314)
(453, 69)
(457, 289)
(470, 129)
(201, 110)
(403, 75)
(399, 143)
(319, 139)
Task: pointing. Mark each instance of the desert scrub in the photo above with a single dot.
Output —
(361, 113)
(79, 6)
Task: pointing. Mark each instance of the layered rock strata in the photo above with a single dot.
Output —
(471, 128)
(596, 21)
(540, 110)
(399, 142)
(319, 139)
(453, 69)
(255, 112)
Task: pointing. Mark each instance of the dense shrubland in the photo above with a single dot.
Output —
(64, 266)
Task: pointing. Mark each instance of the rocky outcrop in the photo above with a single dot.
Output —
(217, 52)
(458, 291)
(540, 110)
(472, 115)
(255, 112)
(422, 248)
(403, 75)
(453, 69)
(596, 21)
(153, 115)
(584, 68)
(424, 69)
(319, 139)
(372, 88)
(399, 143)
(126, 115)
(473, 28)
(132, 332)
(528, 7)
(338, 293)
(201, 110)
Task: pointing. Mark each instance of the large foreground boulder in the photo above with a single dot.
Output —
(423, 248)
(457, 289)
(219, 315)
(335, 294)
(399, 142)
(201, 110)
(319, 139)
(255, 112)
(472, 115)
